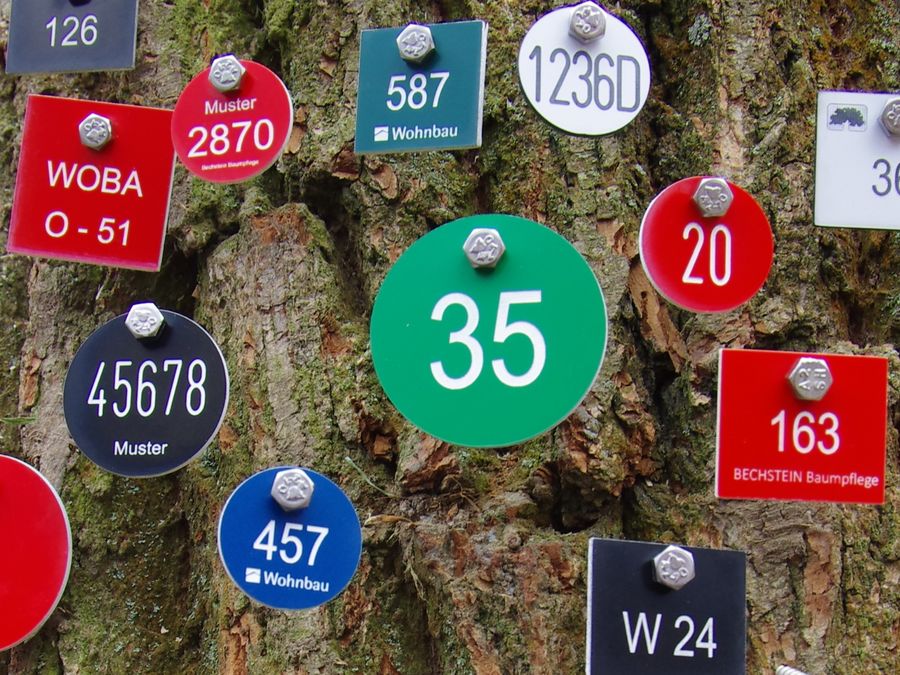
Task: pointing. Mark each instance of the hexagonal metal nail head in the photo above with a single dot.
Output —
(226, 72)
(713, 197)
(95, 131)
(588, 22)
(810, 379)
(890, 116)
(415, 43)
(674, 567)
(144, 320)
(787, 670)
(292, 489)
(484, 247)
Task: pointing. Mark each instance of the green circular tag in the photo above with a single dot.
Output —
(488, 357)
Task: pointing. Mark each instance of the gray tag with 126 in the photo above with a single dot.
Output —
(59, 36)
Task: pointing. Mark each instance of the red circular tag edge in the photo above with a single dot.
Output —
(65, 577)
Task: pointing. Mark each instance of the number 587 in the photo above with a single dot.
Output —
(416, 97)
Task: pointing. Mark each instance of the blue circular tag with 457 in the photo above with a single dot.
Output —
(289, 559)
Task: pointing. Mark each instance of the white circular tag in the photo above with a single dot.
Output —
(588, 88)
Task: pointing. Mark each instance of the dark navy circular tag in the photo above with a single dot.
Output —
(289, 559)
(147, 407)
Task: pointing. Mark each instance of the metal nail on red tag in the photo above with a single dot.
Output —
(705, 244)
(801, 426)
(93, 183)
(232, 121)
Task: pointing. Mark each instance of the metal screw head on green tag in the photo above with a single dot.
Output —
(488, 357)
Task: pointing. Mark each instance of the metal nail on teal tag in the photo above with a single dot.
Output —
(434, 103)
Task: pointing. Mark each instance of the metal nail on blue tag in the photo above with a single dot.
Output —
(290, 538)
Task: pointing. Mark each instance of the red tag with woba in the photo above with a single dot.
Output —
(706, 245)
(796, 426)
(93, 183)
(231, 136)
(37, 551)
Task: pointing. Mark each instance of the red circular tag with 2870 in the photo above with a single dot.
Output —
(705, 264)
(229, 137)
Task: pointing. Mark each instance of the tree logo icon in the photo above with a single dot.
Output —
(844, 116)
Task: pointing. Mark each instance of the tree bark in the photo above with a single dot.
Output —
(474, 561)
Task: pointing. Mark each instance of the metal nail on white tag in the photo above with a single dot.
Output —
(588, 22)
(858, 160)
(584, 70)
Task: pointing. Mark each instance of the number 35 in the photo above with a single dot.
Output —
(502, 330)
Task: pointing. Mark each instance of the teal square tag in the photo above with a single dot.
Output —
(433, 105)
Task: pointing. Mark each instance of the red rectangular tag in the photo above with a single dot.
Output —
(108, 206)
(773, 445)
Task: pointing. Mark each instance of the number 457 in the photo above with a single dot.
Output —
(265, 542)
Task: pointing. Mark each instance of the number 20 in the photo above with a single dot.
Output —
(502, 330)
(718, 232)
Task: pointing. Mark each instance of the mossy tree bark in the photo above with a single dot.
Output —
(474, 561)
